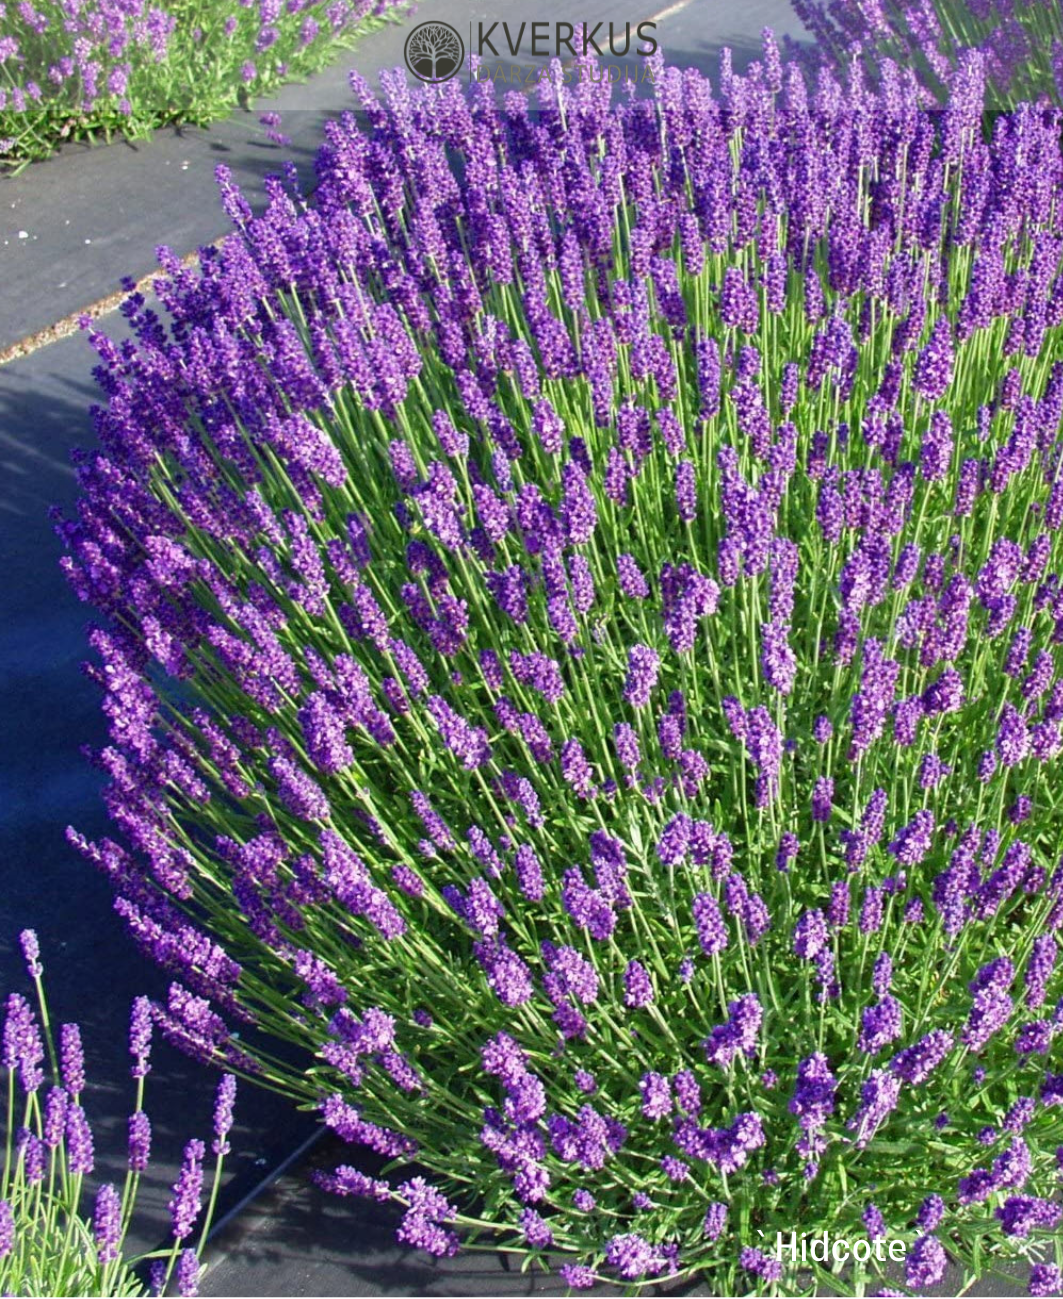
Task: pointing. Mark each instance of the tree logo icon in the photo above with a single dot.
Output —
(434, 52)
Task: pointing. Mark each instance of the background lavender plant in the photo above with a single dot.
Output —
(71, 70)
(1019, 43)
(55, 1237)
(582, 605)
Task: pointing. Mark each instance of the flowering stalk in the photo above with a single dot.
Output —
(583, 606)
(51, 1240)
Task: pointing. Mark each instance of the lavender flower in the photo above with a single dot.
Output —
(71, 1059)
(223, 1114)
(7, 1229)
(107, 1223)
(139, 1141)
(1045, 1279)
(926, 1263)
(187, 1192)
(643, 666)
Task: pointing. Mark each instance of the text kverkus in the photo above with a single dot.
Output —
(551, 38)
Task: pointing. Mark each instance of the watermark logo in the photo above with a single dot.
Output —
(434, 52)
(546, 40)
(824, 1248)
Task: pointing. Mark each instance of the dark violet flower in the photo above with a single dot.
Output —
(577, 1276)
(633, 1257)
(187, 1270)
(710, 924)
(7, 1229)
(813, 1099)
(1045, 1279)
(881, 1023)
(878, 1099)
(107, 1223)
(71, 1059)
(31, 952)
(187, 1191)
(656, 1096)
(916, 1062)
(715, 1220)
(1021, 1214)
(874, 1221)
(686, 491)
(810, 935)
(223, 1114)
(139, 1141)
(674, 1169)
(638, 987)
(822, 797)
(23, 1049)
(931, 1213)
(643, 665)
(79, 1144)
(926, 1263)
(758, 1263)
(632, 582)
(536, 1230)
(626, 741)
(933, 370)
(913, 841)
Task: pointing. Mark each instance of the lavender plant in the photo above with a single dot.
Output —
(1020, 42)
(73, 70)
(582, 614)
(54, 1238)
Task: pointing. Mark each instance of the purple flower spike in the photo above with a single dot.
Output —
(71, 1059)
(1046, 1279)
(577, 1276)
(140, 1036)
(107, 1223)
(79, 1143)
(31, 952)
(187, 1274)
(23, 1049)
(926, 1263)
(7, 1229)
(933, 370)
(188, 1191)
(223, 1114)
(643, 665)
(139, 1141)
(638, 987)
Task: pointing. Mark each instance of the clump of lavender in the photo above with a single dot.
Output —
(82, 70)
(1017, 45)
(57, 1238)
(582, 608)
